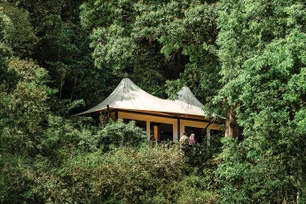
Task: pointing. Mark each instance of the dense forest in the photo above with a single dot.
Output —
(245, 60)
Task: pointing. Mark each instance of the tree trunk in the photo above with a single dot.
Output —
(231, 125)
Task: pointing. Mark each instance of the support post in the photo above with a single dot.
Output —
(178, 131)
(208, 137)
(148, 130)
(156, 133)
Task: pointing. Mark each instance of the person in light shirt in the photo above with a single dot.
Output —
(184, 139)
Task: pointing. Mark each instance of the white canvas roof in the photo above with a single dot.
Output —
(128, 96)
(186, 96)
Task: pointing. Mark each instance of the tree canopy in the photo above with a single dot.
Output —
(242, 59)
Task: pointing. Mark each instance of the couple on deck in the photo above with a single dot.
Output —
(185, 140)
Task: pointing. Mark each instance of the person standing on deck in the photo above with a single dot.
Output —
(192, 139)
(184, 139)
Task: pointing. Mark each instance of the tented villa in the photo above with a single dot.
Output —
(163, 119)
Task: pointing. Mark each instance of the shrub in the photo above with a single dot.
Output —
(125, 174)
(116, 134)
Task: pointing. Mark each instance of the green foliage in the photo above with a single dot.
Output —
(47, 158)
(24, 109)
(111, 25)
(125, 175)
(155, 40)
(18, 34)
(5, 24)
(65, 53)
(200, 154)
(263, 67)
(194, 189)
(257, 61)
(64, 136)
(186, 32)
(61, 46)
(116, 134)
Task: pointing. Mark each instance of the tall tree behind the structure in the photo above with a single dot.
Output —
(156, 41)
(262, 50)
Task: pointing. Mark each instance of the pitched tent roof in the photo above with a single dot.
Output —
(128, 96)
(185, 95)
